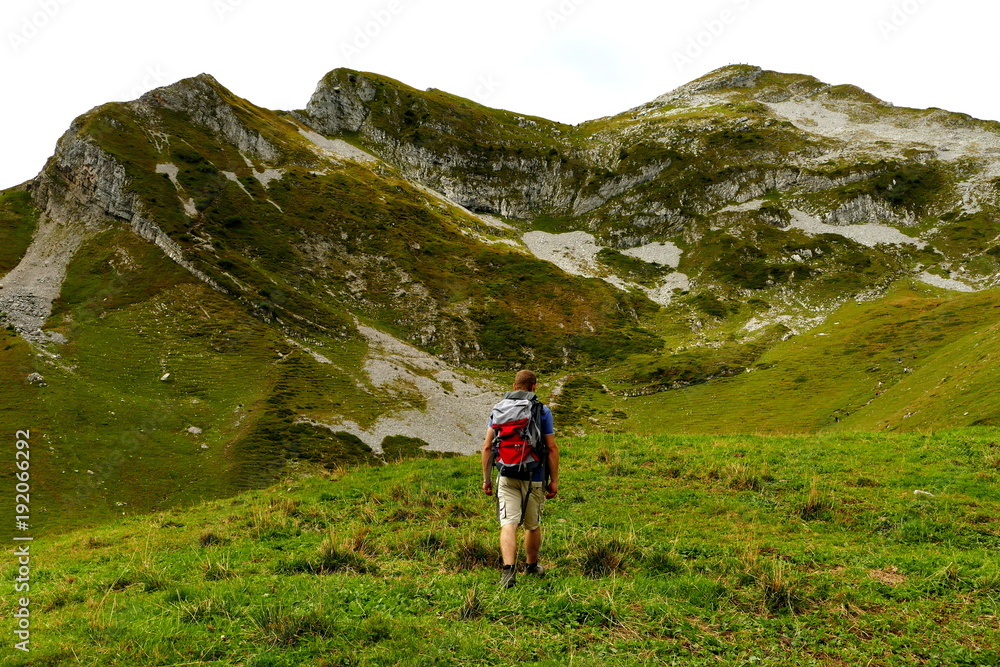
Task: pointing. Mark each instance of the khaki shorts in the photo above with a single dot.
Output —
(510, 500)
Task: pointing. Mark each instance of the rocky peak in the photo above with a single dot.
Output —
(208, 103)
(485, 159)
(731, 76)
(340, 103)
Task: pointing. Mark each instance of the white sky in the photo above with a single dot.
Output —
(567, 60)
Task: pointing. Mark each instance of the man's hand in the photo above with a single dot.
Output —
(488, 487)
(552, 490)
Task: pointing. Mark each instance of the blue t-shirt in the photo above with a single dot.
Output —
(548, 428)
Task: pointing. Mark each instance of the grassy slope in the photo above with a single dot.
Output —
(18, 218)
(956, 384)
(687, 549)
(220, 359)
(929, 349)
(113, 436)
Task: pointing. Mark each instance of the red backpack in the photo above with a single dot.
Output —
(518, 445)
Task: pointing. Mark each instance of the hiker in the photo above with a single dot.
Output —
(522, 487)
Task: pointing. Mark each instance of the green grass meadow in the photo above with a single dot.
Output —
(668, 550)
(917, 359)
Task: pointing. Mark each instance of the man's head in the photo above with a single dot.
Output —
(525, 380)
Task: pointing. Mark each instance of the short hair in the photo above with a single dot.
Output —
(525, 380)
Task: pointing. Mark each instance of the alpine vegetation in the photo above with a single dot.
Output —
(201, 296)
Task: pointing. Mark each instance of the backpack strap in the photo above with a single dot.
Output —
(541, 447)
(525, 494)
(496, 495)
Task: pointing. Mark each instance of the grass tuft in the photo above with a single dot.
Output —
(334, 556)
(817, 506)
(660, 560)
(210, 538)
(743, 478)
(217, 569)
(282, 626)
(604, 558)
(473, 607)
(781, 594)
(473, 554)
(992, 459)
(431, 543)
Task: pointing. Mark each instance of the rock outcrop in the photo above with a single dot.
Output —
(201, 99)
(866, 208)
(80, 192)
(475, 160)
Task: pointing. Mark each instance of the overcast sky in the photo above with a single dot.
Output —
(567, 60)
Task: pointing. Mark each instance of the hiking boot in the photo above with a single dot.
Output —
(508, 578)
(534, 569)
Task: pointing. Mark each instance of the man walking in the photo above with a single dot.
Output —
(520, 501)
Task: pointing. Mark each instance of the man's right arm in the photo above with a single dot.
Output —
(487, 456)
(553, 453)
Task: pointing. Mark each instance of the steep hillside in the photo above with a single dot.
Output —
(200, 292)
(916, 359)
(261, 209)
(776, 194)
(203, 297)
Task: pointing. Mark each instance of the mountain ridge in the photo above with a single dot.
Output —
(372, 266)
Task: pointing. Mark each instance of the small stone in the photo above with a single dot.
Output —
(194, 430)
(165, 377)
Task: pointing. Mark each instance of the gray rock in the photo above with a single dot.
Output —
(865, 208)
